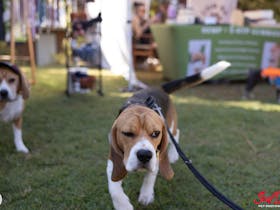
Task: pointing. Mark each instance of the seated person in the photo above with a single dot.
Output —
(85, 41)
(142, 34)
(141, 26)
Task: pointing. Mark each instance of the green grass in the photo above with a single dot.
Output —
(234, 143)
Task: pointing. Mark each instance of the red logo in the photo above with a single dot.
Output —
(263, 199)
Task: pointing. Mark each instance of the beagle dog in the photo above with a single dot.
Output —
(139, 140)
(13, 91)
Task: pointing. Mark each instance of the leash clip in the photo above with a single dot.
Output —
(188, 162)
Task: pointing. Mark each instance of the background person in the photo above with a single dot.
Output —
(272, 74)
(141, 25)
(142, 34)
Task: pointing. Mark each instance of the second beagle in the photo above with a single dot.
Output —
(14, 90)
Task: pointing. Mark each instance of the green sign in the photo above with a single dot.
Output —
(187, 49)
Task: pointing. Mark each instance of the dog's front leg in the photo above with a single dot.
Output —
(119, 198)
(172, 152)
(147, 190)
(17, 124)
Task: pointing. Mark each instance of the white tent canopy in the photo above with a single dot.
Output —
(117, 36)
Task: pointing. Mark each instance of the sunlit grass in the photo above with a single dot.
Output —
(248, 105)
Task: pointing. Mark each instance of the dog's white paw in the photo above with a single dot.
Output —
(146, 198)
(22, 148)
(123, 206)
(121, 202)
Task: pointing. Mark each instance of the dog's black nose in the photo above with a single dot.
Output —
(4, 94)
(144, 155)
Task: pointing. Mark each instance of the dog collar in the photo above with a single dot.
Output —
(149, 103)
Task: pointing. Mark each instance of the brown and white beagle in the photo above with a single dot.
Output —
(139, 140)
(13, 91)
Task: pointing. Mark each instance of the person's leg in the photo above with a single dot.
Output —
(278, 95)
(90, 53)
(277, 84)
(254, 76)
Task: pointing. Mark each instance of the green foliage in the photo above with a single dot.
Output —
(68, 141)
(4, 48)
(261, 4)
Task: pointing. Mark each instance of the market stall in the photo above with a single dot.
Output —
(186, 49)
(199, 33)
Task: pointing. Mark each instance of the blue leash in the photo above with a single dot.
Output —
(150, 102)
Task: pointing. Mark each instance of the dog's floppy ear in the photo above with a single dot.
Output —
(116, 155)
(24, 88)
(164, 165)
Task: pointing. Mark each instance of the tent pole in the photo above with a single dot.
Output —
(30, 42)
(12, 36)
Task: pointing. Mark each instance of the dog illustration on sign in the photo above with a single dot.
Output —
(199, 56)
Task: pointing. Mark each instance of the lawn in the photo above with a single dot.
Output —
(234, 143)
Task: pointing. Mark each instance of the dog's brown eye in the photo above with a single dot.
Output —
(128, 134)
(11, 80)
(155, 134)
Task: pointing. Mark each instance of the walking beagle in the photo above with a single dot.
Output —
(139, 141)
(13, 91)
